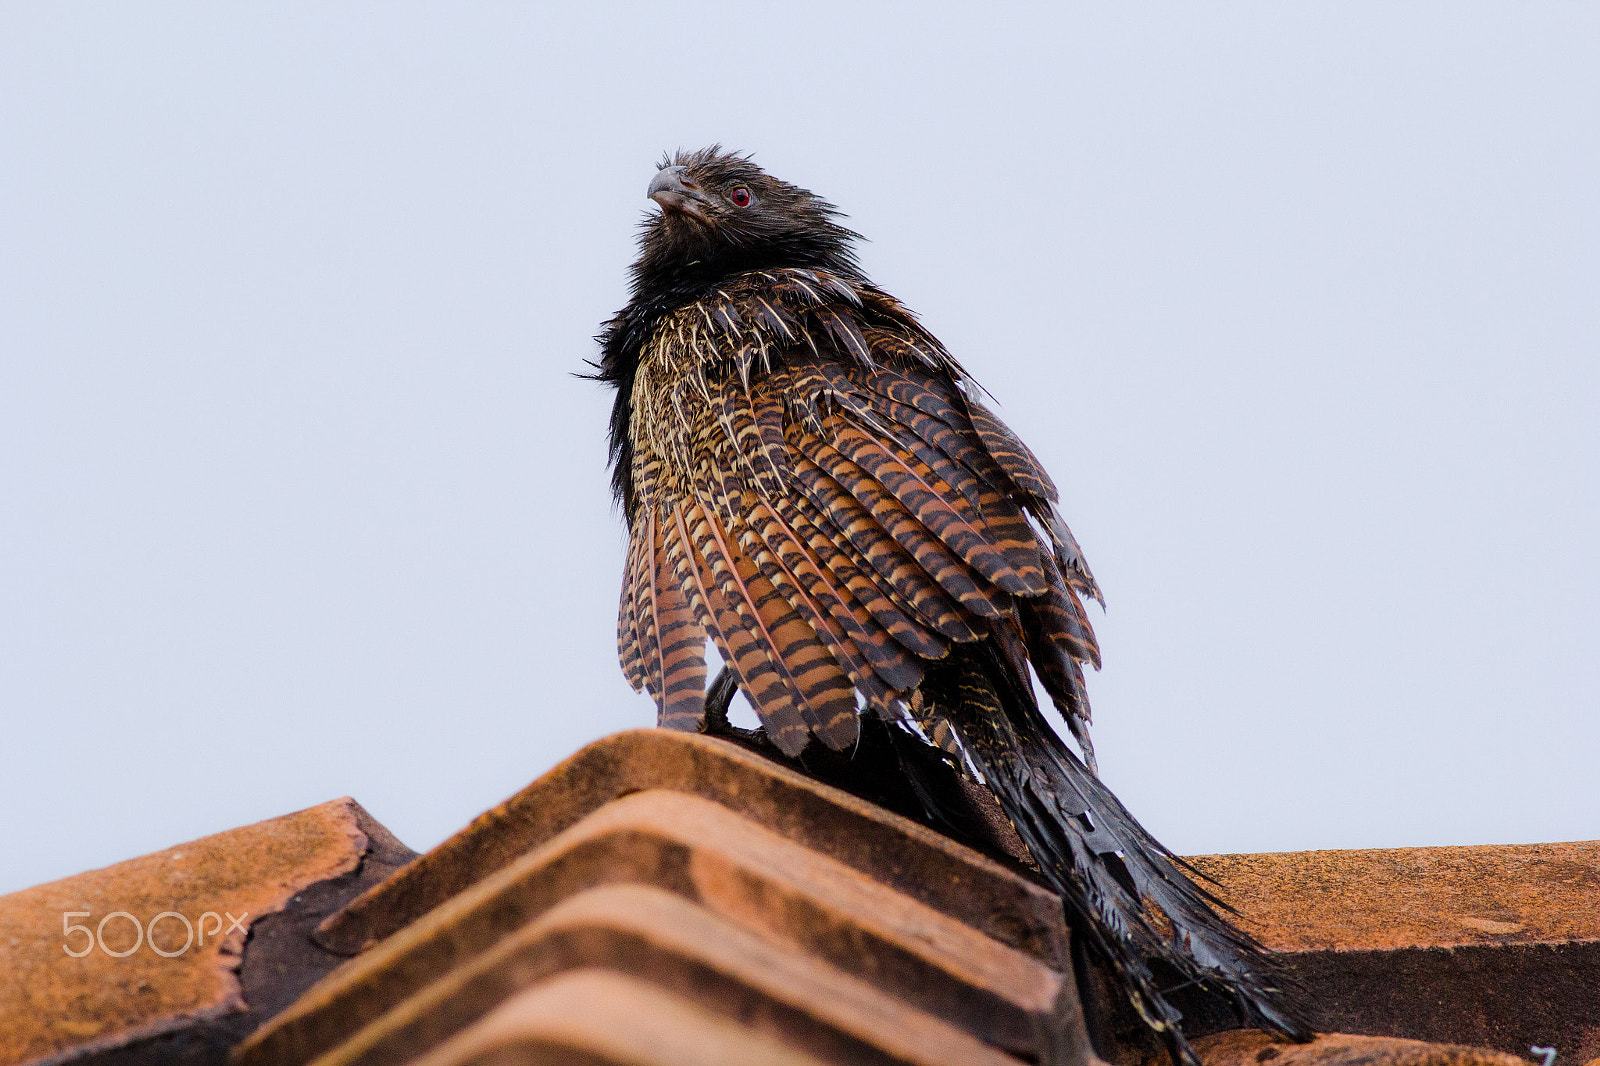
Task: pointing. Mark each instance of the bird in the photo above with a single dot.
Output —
(812, 483)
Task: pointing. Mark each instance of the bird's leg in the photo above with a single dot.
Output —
(718, 699)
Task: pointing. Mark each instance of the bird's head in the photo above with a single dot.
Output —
(721, 214)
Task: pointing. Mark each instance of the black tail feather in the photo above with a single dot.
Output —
(1126, 895)
(1127, 892)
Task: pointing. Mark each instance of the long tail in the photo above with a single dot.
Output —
(1128, 893)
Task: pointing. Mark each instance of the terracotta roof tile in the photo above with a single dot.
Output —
(156, 949)
(901, 854)
(1416, 897)
(663, 898)
(1247, 1047)
(744, 879)
(1497, 946)
(677, 946)
(601, 1018)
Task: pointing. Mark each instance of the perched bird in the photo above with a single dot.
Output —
(811, 481)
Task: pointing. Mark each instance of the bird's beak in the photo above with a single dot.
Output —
(675, 191)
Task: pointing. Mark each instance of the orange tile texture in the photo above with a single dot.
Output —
(51, 1001)
(1415, 897)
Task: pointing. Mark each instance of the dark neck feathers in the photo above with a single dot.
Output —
(670, 274)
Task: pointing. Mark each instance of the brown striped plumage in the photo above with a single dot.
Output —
(812, 484)
(793, 432)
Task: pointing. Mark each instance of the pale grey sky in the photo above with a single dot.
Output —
(1299, 303)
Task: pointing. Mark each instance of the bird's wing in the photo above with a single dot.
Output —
(831, 516)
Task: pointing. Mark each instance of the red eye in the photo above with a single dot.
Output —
(740, 196)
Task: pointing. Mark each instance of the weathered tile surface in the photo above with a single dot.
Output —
(897, 852)
(669, 899)
(1495, 946)
(659, 937)
(1248, 1047)
(602, 1018)
(740, 873)
(138, 979)
(1416, 897)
